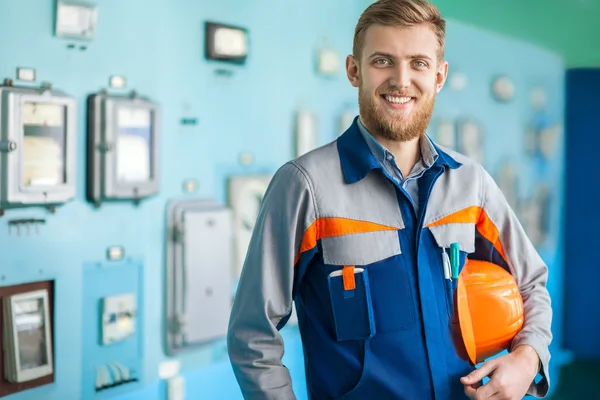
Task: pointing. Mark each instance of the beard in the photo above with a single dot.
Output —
(397, 128)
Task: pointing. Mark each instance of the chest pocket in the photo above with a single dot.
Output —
(387, 284)
(445, 235)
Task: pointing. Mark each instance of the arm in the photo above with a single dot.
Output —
(263, 300)
(531, 275)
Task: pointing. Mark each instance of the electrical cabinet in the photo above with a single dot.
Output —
(122, 148)
(27, 339)
(199, 273)
(37, 147)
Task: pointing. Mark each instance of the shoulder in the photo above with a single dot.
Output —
(469, 169)
(316, 160)
(319, 165)
(304, 170)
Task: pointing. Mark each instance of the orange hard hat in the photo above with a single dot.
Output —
(490, 309)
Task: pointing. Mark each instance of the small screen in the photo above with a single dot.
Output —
(230, 42)
(30, 326)
(44, 144)
(134, 144)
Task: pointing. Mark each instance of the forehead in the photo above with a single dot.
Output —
(400, 41)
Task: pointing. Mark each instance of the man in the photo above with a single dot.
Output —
(354, 233)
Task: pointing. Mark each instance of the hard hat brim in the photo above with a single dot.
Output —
(465, 321)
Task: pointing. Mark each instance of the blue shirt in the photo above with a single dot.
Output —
(388, 161)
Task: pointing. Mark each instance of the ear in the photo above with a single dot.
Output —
(353, 70)
(442, 74)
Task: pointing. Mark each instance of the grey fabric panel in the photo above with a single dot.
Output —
(264, 294)
(360, 248)
(455, 189)
(463, 234)
(372, 199)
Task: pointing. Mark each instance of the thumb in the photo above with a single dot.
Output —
(480, 373)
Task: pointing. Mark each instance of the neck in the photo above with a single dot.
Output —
(407, 153)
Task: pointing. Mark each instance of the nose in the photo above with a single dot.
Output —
(401, 77)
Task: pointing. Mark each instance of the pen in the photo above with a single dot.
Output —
(445, 263)
(454, 259)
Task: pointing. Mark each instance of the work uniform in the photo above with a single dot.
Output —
(339, 236)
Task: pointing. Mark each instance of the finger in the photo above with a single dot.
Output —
(470, 391)
(480, 373)
(487, 391)
(474, 386)
(497, 396)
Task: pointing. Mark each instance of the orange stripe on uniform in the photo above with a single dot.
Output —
(488, 230)
(475, 215)
(464, 216)
(334, 226)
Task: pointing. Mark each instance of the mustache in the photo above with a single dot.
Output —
(394, 90)
(398, 93)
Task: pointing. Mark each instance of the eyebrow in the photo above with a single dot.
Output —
(388, 55)
(381, 54)
(422, 56)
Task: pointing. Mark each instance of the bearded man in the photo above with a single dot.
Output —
(355, 234)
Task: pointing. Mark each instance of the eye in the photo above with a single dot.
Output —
(381, 61)
(420, 64)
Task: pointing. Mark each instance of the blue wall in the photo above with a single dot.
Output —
(158, 46)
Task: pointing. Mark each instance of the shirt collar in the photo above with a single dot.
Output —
(428, 152)
(360, 153)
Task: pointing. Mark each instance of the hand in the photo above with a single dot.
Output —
(510, 376)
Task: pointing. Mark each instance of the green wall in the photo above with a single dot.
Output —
(570, 28)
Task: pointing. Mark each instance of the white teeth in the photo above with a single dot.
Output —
(397, 100)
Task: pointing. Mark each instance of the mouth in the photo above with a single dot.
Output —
(398, 102)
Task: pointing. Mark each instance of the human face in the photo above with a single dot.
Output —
(398, 77)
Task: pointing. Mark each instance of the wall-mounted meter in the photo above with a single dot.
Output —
(27, 339)
(37, 147)
(122, 148)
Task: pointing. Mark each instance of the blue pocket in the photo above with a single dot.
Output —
(352, 309)
(449, 297)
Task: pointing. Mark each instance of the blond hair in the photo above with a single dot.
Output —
(400, 13)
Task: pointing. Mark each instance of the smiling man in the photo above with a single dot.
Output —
(355, 233)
